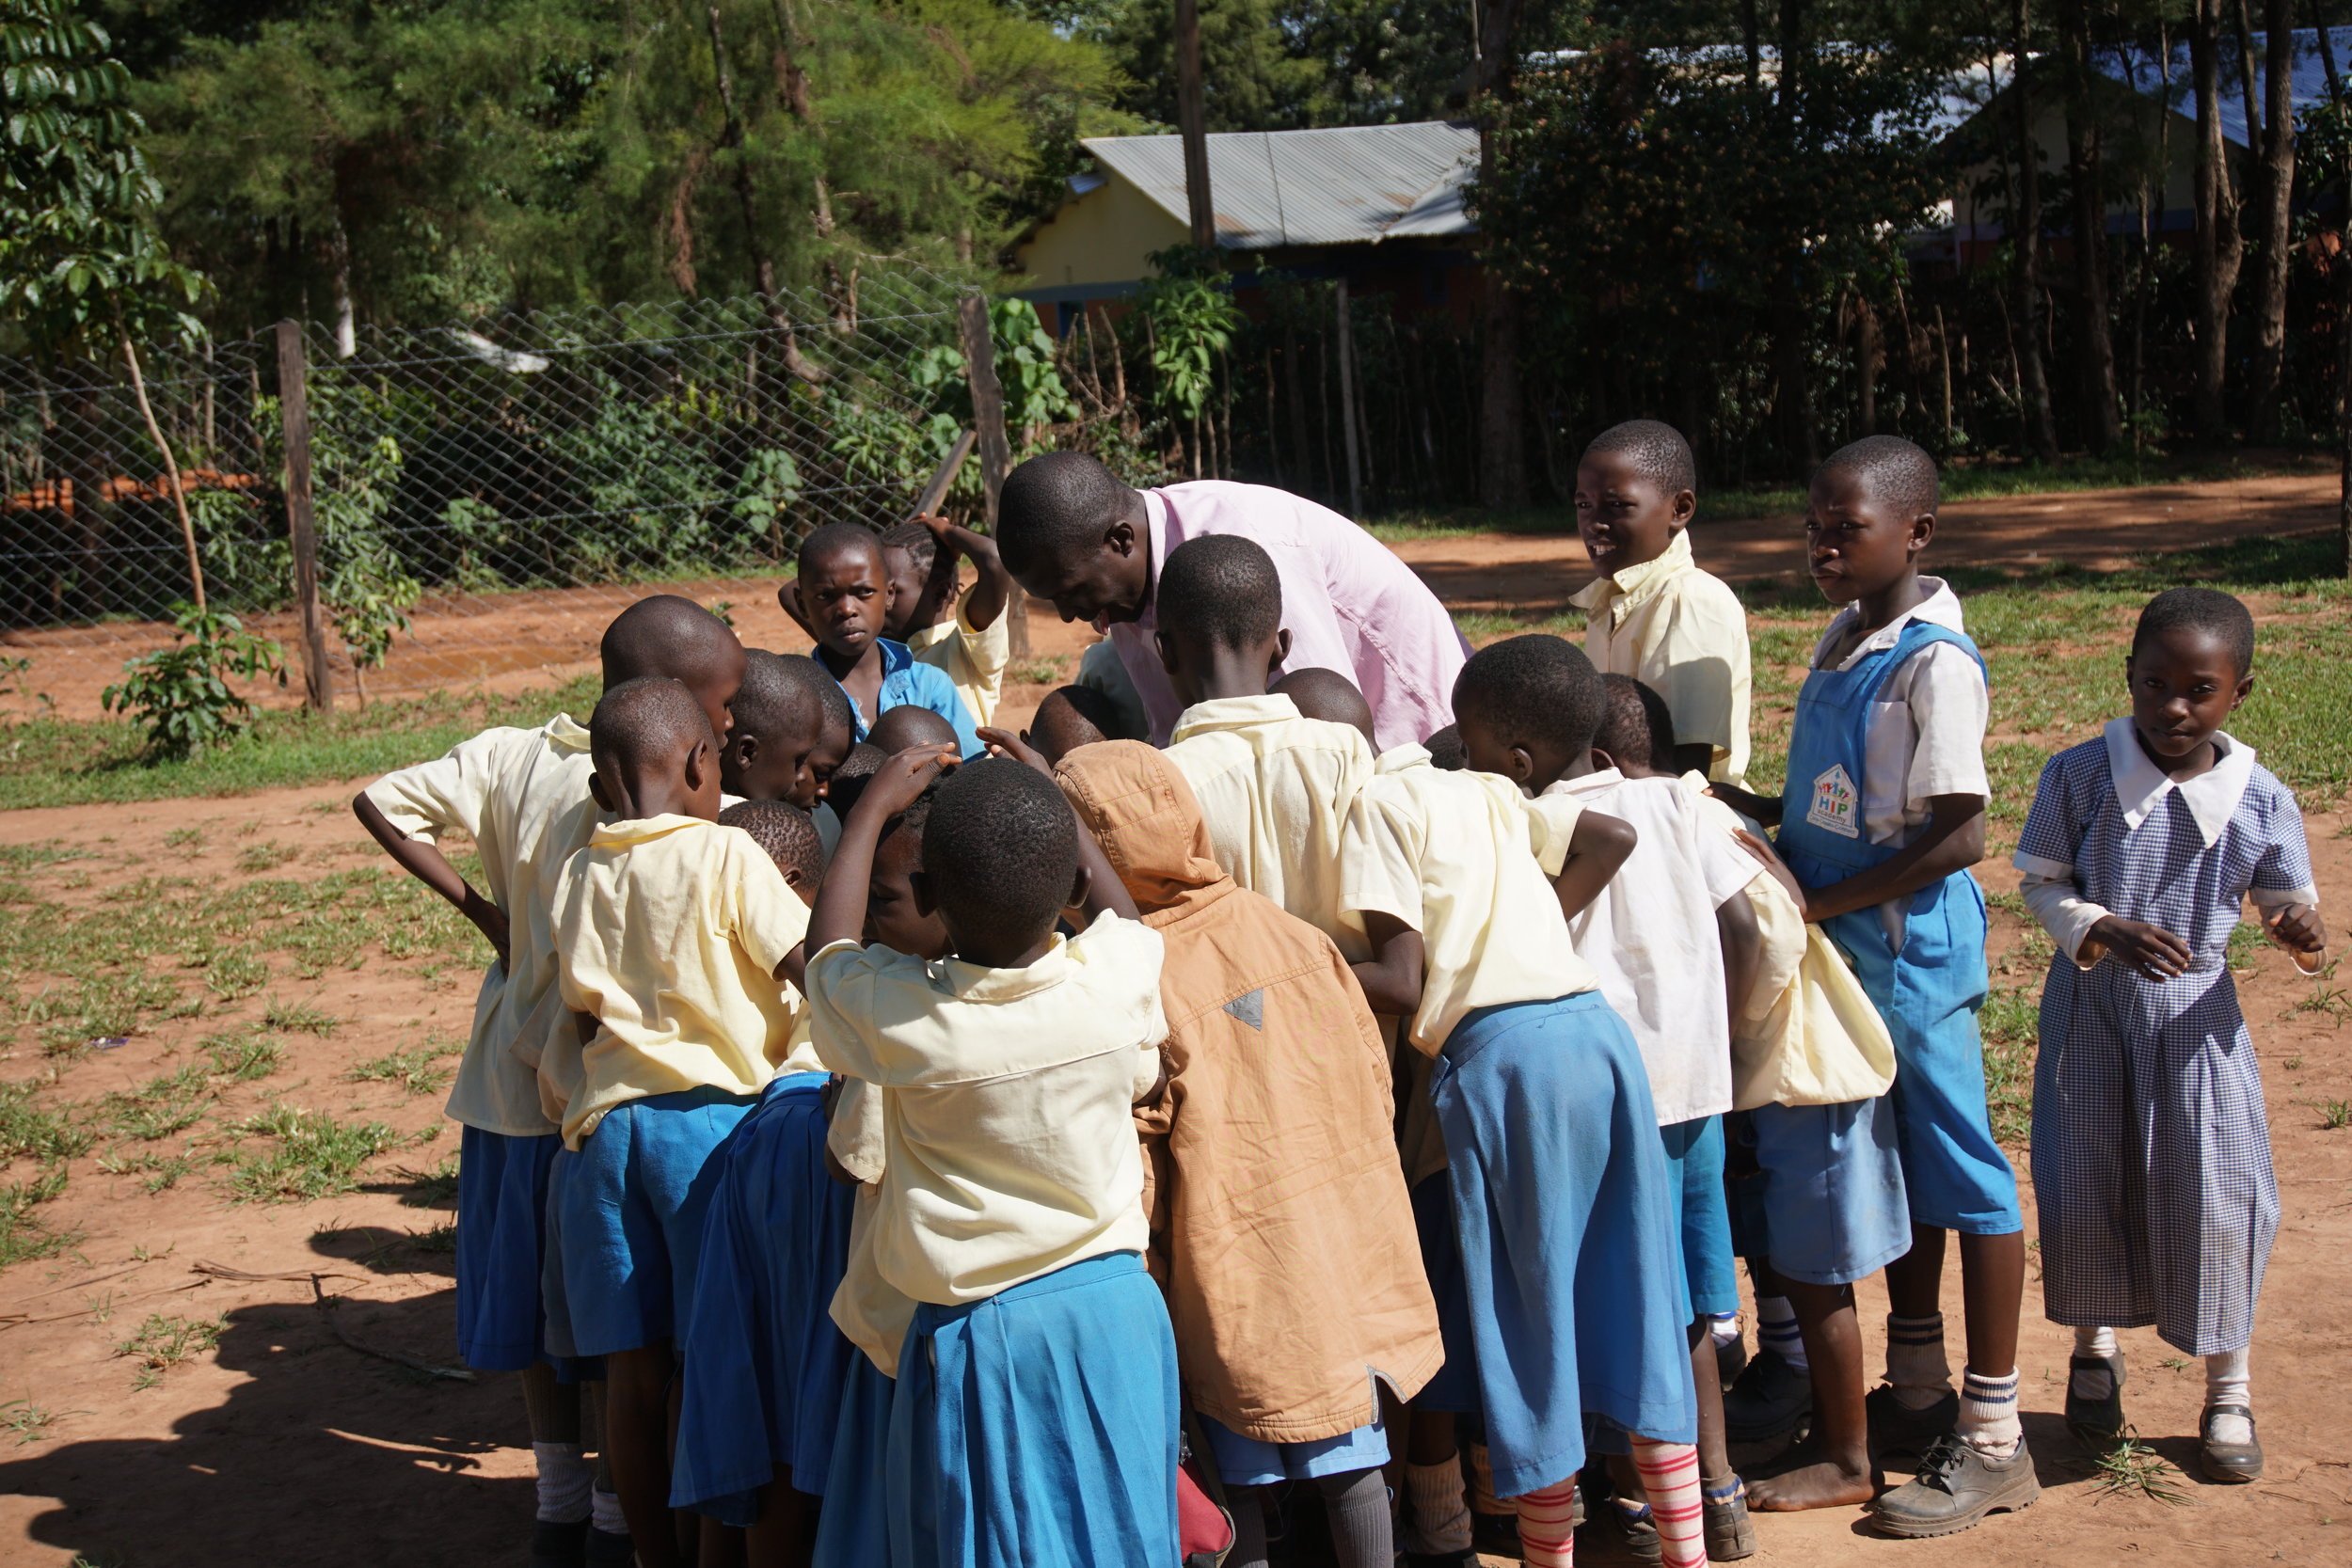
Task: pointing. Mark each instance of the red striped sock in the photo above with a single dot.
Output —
(1547, 1525)
(1670, 1477)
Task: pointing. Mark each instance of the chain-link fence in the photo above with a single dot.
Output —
(503, 487)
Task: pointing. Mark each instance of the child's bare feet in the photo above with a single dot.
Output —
(1807, 1477)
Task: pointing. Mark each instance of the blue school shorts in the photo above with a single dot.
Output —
(1246, 1461)
(624, 1217)
(1455, 1388)
(501, 1248)
(1824, 1200)
(1694, 1172)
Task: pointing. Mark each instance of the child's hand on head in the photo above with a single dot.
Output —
(1004, 743)
(902, 778)
(2155, 952)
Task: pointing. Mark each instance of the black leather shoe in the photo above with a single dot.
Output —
(2231, 1464)
(1770, 1400)
(1897, 1429)
(604, 1547)
(2096, 1423)
(1956, 1487)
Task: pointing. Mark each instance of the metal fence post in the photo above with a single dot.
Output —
(988, 418)
(318, 686)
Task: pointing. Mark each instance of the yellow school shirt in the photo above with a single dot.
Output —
(1275, 790)
(973, 659)
(522, 797)
(1008, 1142)
(1682, 633)
(669, 929)
(1467, 861)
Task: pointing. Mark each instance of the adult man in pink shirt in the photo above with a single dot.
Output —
(1070, 533)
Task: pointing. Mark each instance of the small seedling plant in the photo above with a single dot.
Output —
(181, 695)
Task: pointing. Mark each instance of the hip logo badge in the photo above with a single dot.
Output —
(1836, 804)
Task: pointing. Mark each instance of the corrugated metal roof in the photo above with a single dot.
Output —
(1356, 185)
(2138, 67)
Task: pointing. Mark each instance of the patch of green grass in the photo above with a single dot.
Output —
(310, 1155)
(1044, 670)
(163, 1342)
(298, 1018)
(74, 1012)
(265, 857)
(241, 1058)
(234, 974)
(160, 1107)
(2335, 1114)
(413, 1071)
(2246, 939)
(185, 838)
(430, 1189)
(2010, 1022)
(29, 1129)
(22, 1237)
(28, 1422)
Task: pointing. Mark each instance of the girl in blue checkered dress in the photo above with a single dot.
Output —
(2150, 1151)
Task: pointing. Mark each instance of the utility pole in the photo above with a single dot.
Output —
(1192, 120)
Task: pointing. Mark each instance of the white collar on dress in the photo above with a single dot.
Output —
(1941, 608)
(2212, 797)
(1587, 783)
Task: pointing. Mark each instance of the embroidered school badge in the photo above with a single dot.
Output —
(1836, 804)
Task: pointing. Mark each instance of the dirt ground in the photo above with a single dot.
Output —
(288, 1445)
(506, 642)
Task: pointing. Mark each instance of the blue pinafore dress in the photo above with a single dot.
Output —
(1929, 989)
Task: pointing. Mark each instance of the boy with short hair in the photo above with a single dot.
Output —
(1281, 1224)
(1068, 718)
(1273, 786)
(785, 744)
(1652, 613)
(789, 836)
(842, 598)
(964, 635)
(908, 725)
(1008, 1206)
(1882, 815)
(671, 937)
(1671, 918)
(521, 796)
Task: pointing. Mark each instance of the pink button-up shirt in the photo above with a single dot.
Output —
(1348, 603)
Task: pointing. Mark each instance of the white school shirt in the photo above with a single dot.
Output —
(1467, 861)
(522, 797)
(1926, 727)
(1008, 1133)
(1651, 937)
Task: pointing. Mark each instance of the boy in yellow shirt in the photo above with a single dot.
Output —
(673, 936)
(1652, 613)
(1274, 786)
(961, 634)
(521, 797)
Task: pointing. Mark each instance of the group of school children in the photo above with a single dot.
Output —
(930, 1144)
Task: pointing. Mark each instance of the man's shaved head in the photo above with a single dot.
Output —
(1056, 503)
(1327, 694)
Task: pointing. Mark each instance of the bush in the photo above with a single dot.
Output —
(181, 693)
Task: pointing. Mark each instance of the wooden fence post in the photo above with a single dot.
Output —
(1192, 120)
(318, 686)
(988, 418)
(1347, 404)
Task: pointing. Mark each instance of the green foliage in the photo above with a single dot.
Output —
(164, 1341)
(310, 1155)
(1189, 321)
(181, 694)
(31, 1131)
(22, 1237)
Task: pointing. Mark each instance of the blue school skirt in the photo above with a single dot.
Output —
(762, 1364)
(502, 1249)
(1694, 1173)
(625, 1219)
(1570, 1236)
(853, 1530)
(1038, 1429)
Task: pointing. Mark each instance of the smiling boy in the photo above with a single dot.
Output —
(842, 596)
(1652, 613)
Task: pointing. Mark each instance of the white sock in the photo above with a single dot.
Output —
(1988, 1414)
(564, 1477)
(1776, 1331)
(2092, 1383)
(1438, 1520)
(1723, 1328)
(2226, 1382)
(604, 1511)
(1916, 1368)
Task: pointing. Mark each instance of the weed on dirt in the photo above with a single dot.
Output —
(414, 1071)
(22, 1237)
(2133, 1469)
(307, 1154)
(163, 1342)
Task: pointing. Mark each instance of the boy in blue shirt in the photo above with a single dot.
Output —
(1880, 819)
(842, 599)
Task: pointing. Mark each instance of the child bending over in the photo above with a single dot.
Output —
(1008, 1200)
(787, 740)
(2150, 1144)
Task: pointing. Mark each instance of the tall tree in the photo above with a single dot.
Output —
(2085, 159)
(2218, 245)
(2024, 221)
(2271, 222)
(1501, 408)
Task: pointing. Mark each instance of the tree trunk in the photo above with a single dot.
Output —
(2218, 246)
(763, 264)
(2272, 191)
(1192, 115)
(339, 265)
(1793, 397)
(2102, 430)
(171, 465)
(1867, 351)
(1502, 416)
(2025, 224)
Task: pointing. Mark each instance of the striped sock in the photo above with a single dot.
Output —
(1776, 1331)
(1670, 1479)
(1915, 1364)
(1988, 1413)
(1438, 1520)
(1547, 1525)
